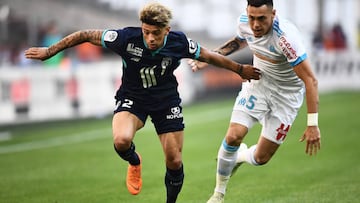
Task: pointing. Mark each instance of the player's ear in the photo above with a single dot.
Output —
(167, 29)
(273, 12)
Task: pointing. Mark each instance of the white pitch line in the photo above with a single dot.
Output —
(4, 136)
(56, 141)
(191, 119)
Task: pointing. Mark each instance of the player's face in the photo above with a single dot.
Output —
(154, 36)
(260, 19)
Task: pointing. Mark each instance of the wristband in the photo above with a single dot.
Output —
(312, 119)
(240, 69)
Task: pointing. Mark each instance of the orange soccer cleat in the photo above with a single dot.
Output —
(133, 178)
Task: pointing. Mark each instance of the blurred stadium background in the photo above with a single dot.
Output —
(81, 82)
(55, 116)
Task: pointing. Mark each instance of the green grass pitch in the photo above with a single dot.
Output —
(74, 161)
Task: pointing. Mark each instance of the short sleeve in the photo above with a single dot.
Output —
(112, 39)
(194, 48)
(292, 45)
(242, 21)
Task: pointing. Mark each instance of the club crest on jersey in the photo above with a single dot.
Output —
(249, 39)
(110, 36)
(282, 132)
(272, 49)
(176, 113)
(192, 46)
(165, 63)
(133, 50)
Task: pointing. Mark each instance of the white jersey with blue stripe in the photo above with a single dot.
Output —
(276, 53)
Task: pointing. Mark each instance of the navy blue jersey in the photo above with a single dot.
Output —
(148, 75)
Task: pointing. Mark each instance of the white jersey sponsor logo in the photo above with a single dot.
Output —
(176, 113)
(133, 50)
(287, 49)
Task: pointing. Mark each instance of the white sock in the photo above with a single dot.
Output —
(221, 183)
(248, 156)
(226, 162)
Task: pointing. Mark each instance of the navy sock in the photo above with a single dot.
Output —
(129, 155)
(173, 181)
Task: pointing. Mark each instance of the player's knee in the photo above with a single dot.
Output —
(121, 142)
(173, 162)
(235, 134)
(233, 139)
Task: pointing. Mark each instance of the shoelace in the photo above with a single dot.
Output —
(133, 175)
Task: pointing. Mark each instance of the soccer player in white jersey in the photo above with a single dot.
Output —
(274, 100)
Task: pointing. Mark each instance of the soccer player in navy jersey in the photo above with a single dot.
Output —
(150, 55)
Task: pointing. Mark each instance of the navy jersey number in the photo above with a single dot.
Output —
(148, 76)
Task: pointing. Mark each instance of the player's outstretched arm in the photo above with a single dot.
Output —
(226, 49)
(312, 132)
(43, 53)
(247, 72)
(231, 46)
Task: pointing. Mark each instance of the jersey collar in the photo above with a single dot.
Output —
(157, 50)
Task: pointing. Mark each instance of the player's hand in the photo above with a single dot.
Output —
(249, 72)
(313, 140)
(196, 65)
(40, 53)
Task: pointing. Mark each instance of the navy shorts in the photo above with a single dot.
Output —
(168, 118)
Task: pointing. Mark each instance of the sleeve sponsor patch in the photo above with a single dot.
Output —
(287, 49)
(193, 46)
(110, 36)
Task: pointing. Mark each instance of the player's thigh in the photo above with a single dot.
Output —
(129, 116)
(124, 126)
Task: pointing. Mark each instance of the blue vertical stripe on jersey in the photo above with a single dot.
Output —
(276, 27)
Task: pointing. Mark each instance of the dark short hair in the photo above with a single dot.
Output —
(258, 3)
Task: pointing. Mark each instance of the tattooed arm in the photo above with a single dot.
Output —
(231, 46)
(228, 48)
(43, 53)
(246, 72)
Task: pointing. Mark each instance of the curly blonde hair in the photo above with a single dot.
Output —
(155, 14)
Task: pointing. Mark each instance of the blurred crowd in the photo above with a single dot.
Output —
(18, 34)
(330, 39)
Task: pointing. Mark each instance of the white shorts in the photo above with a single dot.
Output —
(275, 109)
